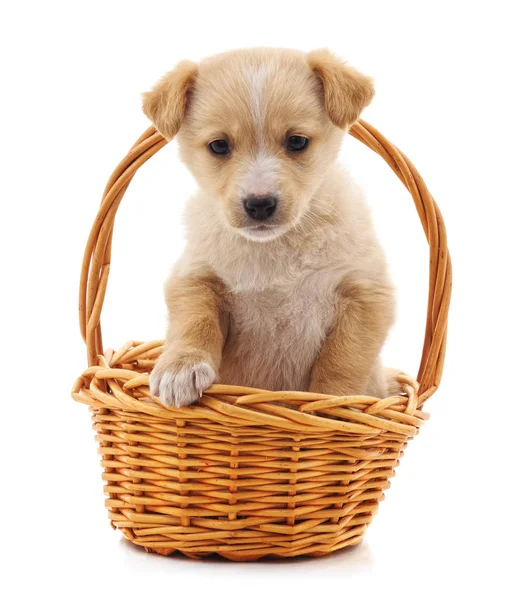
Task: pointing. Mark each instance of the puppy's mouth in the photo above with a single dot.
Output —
(261, 227)
(262, 232)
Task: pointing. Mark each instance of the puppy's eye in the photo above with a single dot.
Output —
(296, 143)
(219, 147)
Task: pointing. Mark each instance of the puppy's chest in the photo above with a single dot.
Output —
(282, 311)
(287, 322)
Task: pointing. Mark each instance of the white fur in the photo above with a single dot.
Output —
(181, 387)
(256, 82)
(262, 176)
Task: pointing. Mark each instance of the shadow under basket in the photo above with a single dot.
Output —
(247, 473)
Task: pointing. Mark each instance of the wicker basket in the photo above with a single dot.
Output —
(247, 473)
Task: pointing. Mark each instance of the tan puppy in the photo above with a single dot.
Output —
(283, 284)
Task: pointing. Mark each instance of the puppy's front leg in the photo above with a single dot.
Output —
(364, 313)
(195, 338)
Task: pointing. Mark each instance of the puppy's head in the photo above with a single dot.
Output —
(259, 129)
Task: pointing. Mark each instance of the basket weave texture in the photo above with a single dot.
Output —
(248, 473)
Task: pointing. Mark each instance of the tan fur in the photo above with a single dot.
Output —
(346, 91)
(304, 302)
(165, 104)
(364, 313)
(197, 304)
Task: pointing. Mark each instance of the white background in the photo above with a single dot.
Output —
(72, 74)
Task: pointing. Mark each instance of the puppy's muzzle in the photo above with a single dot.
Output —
(260, 208)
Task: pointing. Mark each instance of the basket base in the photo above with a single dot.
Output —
(268, 552)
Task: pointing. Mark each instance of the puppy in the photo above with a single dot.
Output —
(283, 284)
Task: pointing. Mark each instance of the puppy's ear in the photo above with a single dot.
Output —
(346, 91)
(165, 104)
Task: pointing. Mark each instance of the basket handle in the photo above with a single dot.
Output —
(97, 256)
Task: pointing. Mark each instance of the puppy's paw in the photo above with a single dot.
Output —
(393, 386)
(179, 380)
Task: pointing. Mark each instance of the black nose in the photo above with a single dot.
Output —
(260, 208)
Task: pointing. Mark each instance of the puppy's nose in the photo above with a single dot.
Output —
(260, 208)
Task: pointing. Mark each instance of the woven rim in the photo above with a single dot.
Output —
(124, 371)
(97, 257)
